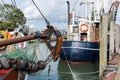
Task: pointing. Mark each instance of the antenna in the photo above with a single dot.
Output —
(47, 22)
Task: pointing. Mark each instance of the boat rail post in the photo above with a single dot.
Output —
(117, 48)
(103, 43)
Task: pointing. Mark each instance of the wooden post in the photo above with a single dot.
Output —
(111, 40)
(117, 38)
(103, 42)
(117, 48)
(111, 36)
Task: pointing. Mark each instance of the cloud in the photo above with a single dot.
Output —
(53, 10)
(31, 11)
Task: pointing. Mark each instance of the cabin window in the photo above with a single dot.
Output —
(96, 25)
(83, 36)
(75, 29)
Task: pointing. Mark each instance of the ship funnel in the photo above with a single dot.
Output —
(68, 12)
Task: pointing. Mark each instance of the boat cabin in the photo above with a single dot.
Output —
(83, 30)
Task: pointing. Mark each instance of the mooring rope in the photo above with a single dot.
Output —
(73, 74)
(85, 73)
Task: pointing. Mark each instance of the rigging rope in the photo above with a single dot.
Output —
(47, 22)
(2, 2)
(74, 5)
(13, 3)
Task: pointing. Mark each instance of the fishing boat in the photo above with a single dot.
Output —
(82, 44)
(16, 64)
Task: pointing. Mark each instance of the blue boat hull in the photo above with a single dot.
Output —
(79, 52)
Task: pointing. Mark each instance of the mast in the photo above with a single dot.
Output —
(86, 3)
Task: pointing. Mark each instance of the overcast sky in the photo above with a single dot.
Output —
(54, 10)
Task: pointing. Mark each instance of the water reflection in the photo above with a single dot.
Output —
(78, 72)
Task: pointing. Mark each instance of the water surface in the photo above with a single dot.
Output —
(62, 71)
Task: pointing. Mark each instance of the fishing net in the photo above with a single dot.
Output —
(30, 52)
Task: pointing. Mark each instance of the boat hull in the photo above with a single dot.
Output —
(9, 74)
(79, 52)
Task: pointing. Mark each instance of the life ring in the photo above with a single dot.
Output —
(84, 27)
(3, 36)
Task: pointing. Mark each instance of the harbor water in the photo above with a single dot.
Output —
(63, 71)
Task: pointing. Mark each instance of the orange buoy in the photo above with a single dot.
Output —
(9, 35)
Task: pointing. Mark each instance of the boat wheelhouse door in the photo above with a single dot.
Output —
(96, 32)
(83, 36)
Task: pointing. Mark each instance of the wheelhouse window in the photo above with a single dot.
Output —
(75, 29)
